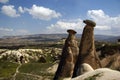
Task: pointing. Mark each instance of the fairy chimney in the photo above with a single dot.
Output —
(68, 58)
(87, 53)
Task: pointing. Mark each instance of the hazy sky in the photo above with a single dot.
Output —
(22, 17)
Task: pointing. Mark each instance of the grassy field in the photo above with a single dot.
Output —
(7, 69)
(35, 68)
(29, 71)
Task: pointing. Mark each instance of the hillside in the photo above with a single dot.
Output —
(51, 37)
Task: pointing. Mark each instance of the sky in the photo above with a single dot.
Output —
(25, 17)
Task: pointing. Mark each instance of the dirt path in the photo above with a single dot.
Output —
(32, 75)
(17, 71)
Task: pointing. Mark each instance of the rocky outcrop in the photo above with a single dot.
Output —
(100, 74)
(112, 60)
(86, 68)
(97, 74)
(87, 53)
(27, 55)
(15, 56)
(68, 58)
(90, 74)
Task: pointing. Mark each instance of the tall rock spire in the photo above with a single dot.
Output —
(87, 52)
(68, 58)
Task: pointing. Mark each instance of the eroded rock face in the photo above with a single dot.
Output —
(87, 53)
(68, 58)
(112, 61)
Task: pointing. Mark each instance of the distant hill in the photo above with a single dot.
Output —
(107, 38)
(113, 39)
(52, 37)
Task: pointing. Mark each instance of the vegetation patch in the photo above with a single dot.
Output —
(7, 69)
(20, 76)
(36, 68)
(94, 77)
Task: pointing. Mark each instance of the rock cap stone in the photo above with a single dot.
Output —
(90, 23)
(71, 31)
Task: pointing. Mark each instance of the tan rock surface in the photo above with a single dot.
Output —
(87, 53)
(69, 56)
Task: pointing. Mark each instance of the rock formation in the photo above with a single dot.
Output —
(68, 58)
(86, 68)
(87, 53)
(111, 59)
(100, 74)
